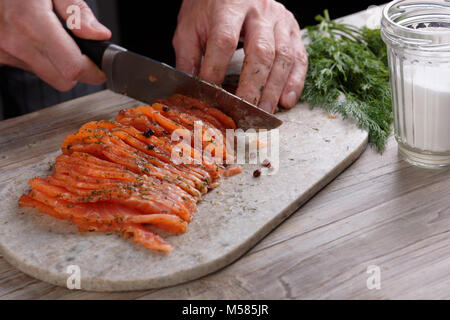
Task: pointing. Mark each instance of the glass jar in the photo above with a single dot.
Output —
(417, 34)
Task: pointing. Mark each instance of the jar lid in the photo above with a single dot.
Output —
(417, 23)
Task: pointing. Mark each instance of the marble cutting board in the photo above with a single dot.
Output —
(314, 149)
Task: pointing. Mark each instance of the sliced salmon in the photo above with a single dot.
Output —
(120, 176)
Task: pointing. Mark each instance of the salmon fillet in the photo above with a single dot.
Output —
(118, 176)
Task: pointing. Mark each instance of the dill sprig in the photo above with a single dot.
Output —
(348, 75)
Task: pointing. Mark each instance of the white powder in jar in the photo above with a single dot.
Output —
(424, 113)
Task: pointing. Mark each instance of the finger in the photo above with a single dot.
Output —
(222, 43)
(90, 28)
(296, 81)
(45, 70)
(51, 53)
(64, 54)
(188, 50)
(259, 47)
(7, 59)
(282, 66)
(91, 73)
(186, 40)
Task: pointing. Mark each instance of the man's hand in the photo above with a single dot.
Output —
(32, 38)
(275, 62)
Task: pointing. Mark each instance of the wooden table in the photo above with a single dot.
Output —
(381, 211)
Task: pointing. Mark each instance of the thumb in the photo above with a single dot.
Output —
(78, 10)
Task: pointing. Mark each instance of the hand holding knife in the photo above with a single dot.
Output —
(146, 80)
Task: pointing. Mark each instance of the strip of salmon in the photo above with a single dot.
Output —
(75, 175)
(232, 171)
(227, 121)
(27, 201)
(134, 156)
(211, 136)
(74, 160)
(184, 119)
(194, 104)
(108, 213)
(164, 122)
(105, 149)
(192, 110)
(148, 239)
(151, 204)
(93, 183)
(85, 157)
(162, 143)
(141, 119)
(207, 162)
(136, 232)
(150, 170)
(147, 201)
(148, 156)
(148, 186)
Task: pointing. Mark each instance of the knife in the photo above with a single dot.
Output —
(147, 80)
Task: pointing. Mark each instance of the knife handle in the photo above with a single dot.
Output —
(92, 48)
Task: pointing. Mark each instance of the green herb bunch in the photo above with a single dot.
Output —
(348, 75)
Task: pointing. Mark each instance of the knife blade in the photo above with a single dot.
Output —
(146, 80)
